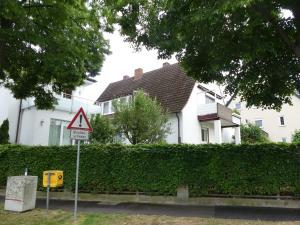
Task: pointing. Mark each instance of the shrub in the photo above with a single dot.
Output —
(256, 169)
(4, 135)
(103, 130)
(251, 133)
(296, 136)
(142, 120)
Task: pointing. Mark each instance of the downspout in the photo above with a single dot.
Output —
(178, 123)
(18, 123)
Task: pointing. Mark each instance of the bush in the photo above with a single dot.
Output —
(296, 136)
(251, 133)
(103, 130)
(4, 135)
(258, 169)
(142, 120)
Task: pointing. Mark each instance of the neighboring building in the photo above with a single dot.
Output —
(31, 126)
(279, 125)
(196, 111)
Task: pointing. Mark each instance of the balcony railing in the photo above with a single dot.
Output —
(66, 102)
(214, 111)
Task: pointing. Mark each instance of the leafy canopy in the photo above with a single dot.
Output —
(142, 120)
(50, 46)
(246, 45)
(251, 133)
(296, 136)
(103, 130)
(4, 135)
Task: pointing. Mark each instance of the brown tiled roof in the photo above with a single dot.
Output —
(169, 85)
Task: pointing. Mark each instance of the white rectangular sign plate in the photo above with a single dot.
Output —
(79, 135)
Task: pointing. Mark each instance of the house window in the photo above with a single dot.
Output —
(58, 133)
(259, 123)
(205, 135)
(283, 139)
(281, 119)
(105, 108)
(209, 99)
(238, 105)
(67, 94)
(123, 100)
(112, 108)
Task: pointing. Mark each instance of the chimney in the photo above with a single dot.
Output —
(138, 73)
(166, 64)
(125, 77)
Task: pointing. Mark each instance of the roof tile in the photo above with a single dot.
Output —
(169, 85)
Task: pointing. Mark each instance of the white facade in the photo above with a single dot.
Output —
(190, 130)
(43, 127)
(9, 108)
(280, 125)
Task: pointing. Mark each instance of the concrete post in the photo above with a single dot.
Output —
(218, 131)
(237, 135)
(183, 193)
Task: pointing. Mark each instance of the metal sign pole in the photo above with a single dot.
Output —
(77, 175)
(48, 190)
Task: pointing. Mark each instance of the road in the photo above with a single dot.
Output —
(225, 212)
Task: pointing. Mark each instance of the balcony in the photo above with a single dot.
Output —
(68, 103)
(216, 111)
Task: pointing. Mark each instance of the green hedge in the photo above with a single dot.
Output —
(263, 169)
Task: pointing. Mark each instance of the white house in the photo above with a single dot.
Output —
(279, 125)
(196, 111)
(30, 126)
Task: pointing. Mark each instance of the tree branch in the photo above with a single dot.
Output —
(268, 17)
(37, 6)
(231, 98)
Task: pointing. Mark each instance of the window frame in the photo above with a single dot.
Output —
(240, 106)
(210, 97)
(262, 123)
(62, 124)
(284, 123)
(103, 108)
(206, 129)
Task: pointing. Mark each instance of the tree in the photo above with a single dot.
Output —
(251, 133)
(4, 135)
(103, 130)
(246, 45)
(296, 136)
(142, 120)
(49, 46)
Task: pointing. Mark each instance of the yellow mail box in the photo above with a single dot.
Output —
(56, 178)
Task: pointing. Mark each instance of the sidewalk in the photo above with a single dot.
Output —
(224, 212)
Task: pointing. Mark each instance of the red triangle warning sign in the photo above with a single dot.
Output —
(80, 122)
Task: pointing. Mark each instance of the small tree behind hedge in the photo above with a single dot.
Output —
(4, 135)
(142, 120)
(296, 136)
(251, 133)
(103, 130)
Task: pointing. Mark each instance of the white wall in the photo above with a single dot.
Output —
(36, 125)
(191, 126)
(9, 109)
(172, 138)
(191, 129)
(271, 122)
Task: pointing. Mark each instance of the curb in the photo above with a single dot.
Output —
(114, 199)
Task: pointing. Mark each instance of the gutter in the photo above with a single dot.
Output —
(178, 123)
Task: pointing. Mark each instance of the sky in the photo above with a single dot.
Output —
(123, 60)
